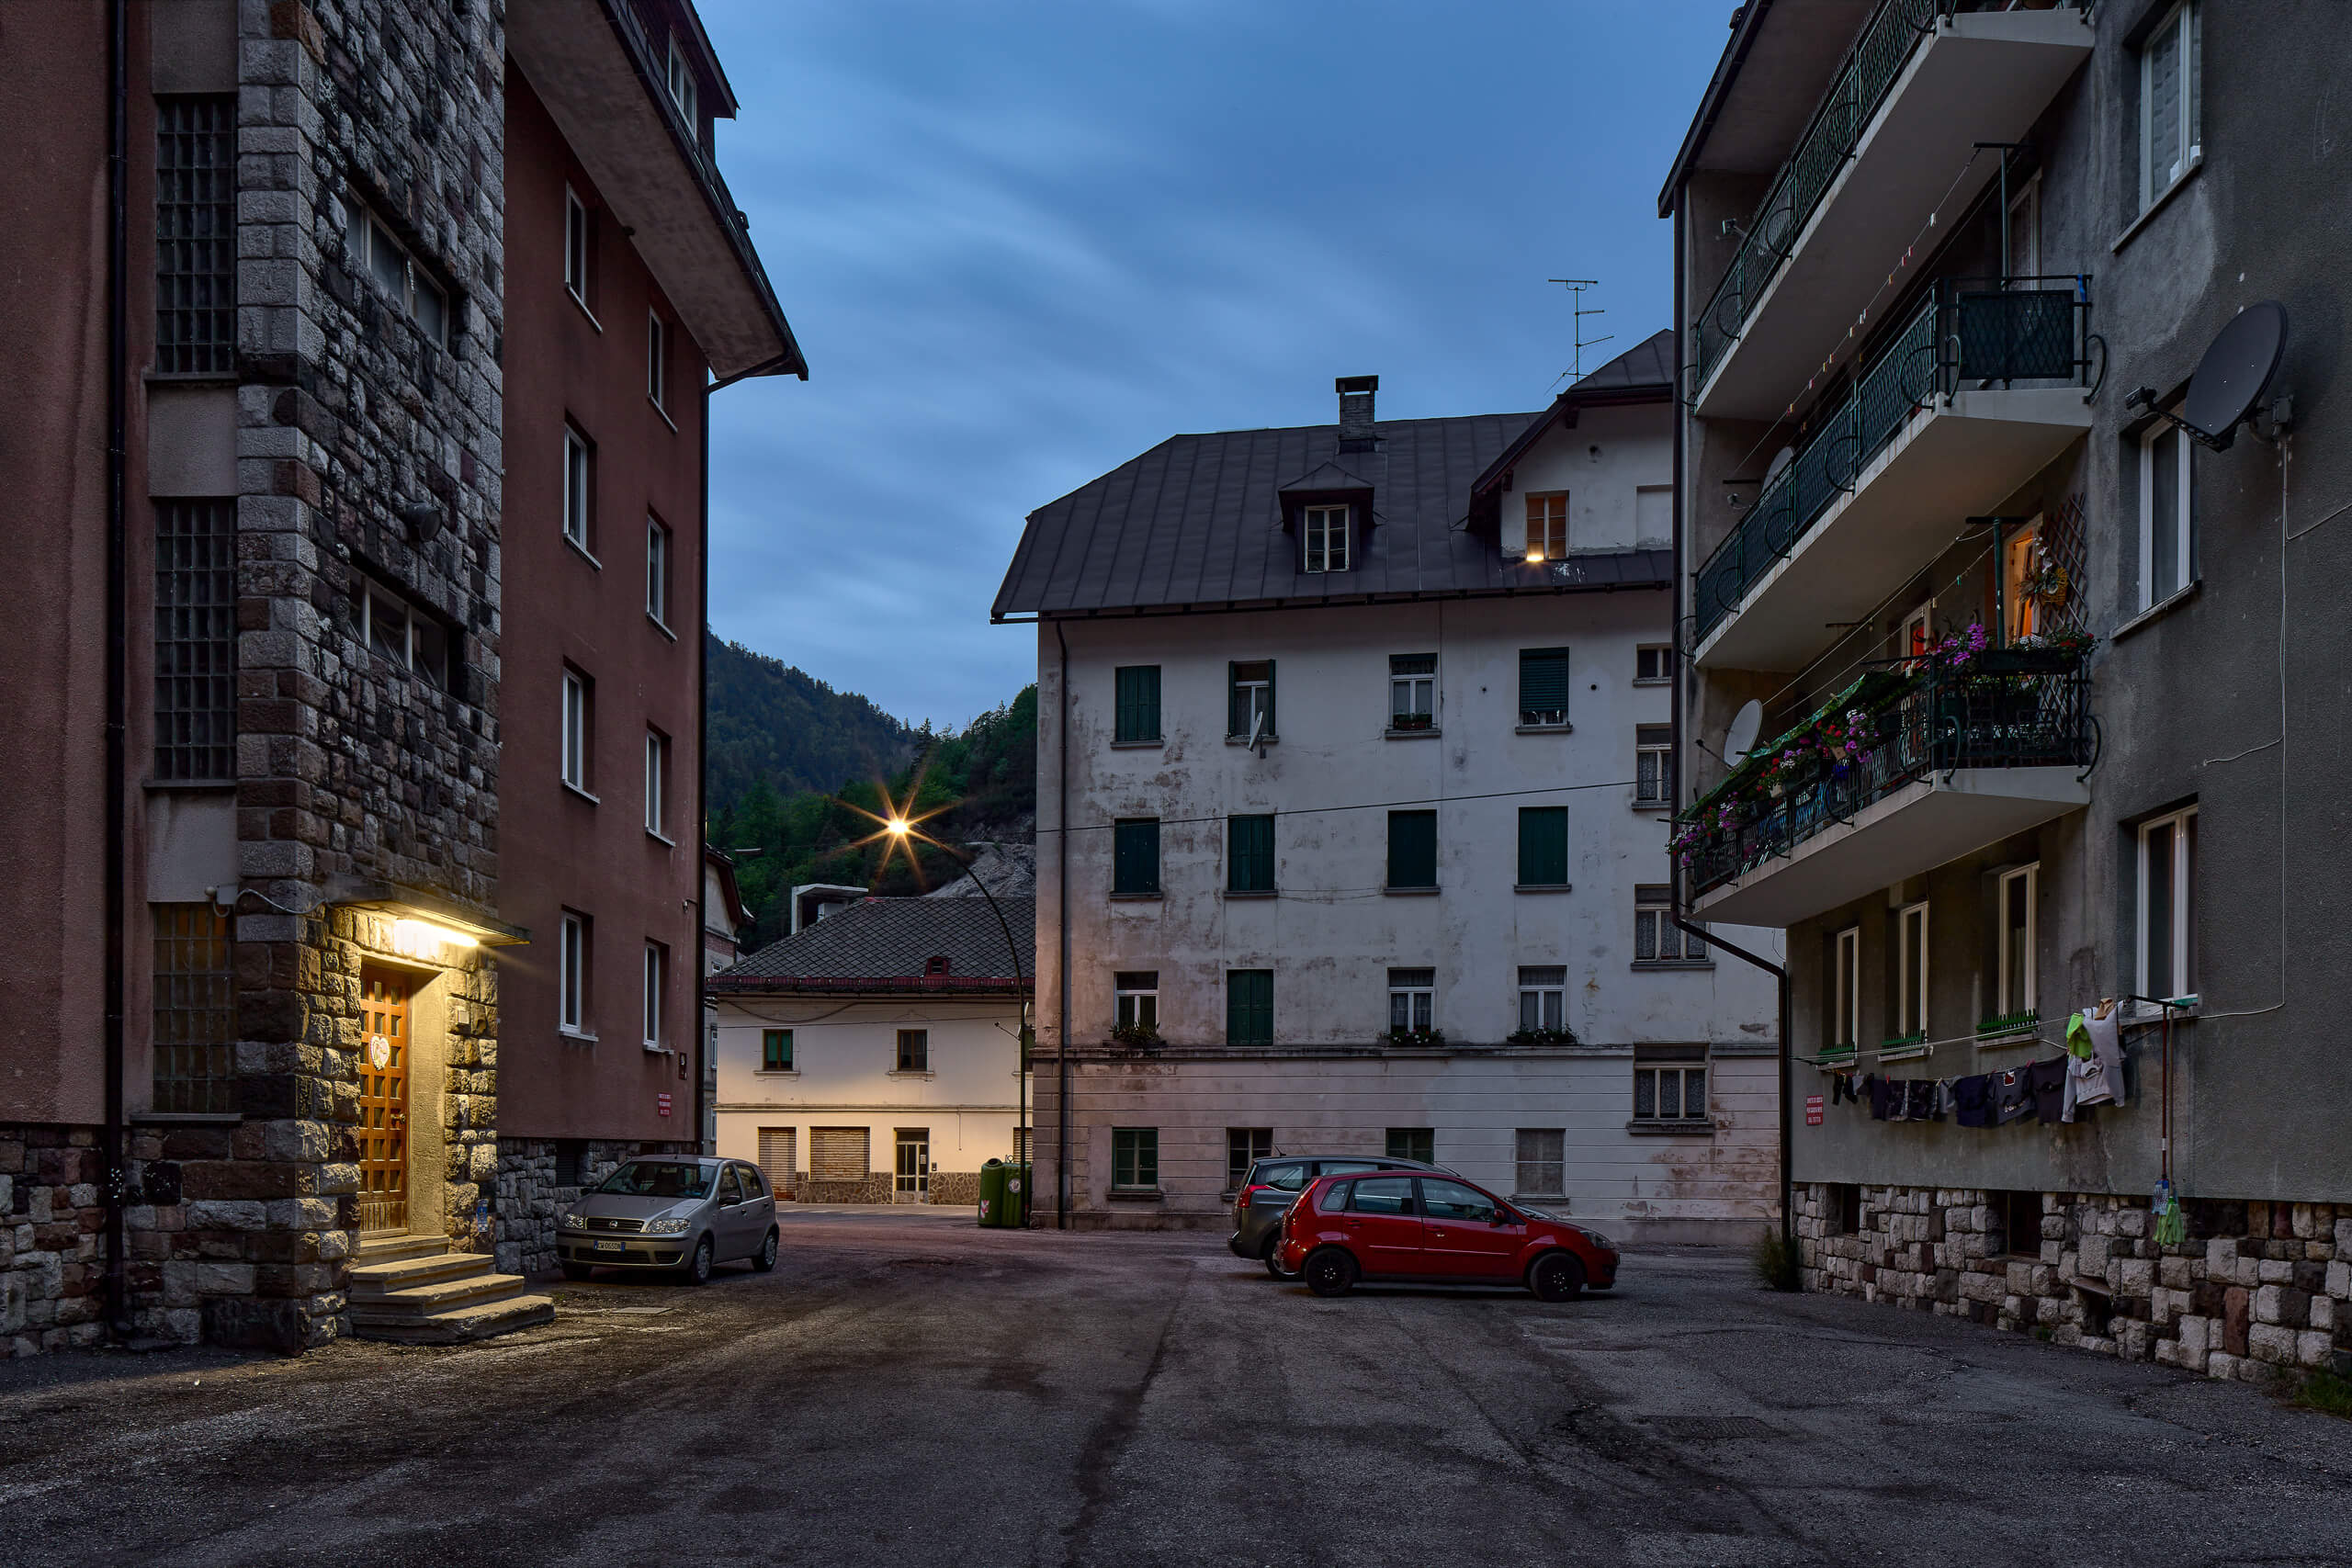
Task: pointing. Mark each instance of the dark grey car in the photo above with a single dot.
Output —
(683, 1212)
(1274, 1182)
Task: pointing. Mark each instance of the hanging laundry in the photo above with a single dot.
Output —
(2078, 1037)
(1973, 1101)
(1921, 1098)
(1842, 1088)
(2013, 1095)
(2048, 1082)
(1874, 1088)
(2105, 1082)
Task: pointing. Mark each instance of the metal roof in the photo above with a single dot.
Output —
(885, 944)
(1643, 373)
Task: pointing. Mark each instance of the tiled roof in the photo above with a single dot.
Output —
(885, 944)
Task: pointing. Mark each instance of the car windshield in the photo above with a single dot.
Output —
(658, 1179)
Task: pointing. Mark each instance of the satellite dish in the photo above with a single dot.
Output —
(2232, 377)
(1740, 738)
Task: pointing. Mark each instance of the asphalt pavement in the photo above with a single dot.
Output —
(907, 1389)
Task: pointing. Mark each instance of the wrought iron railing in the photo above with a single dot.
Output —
(2005, 708)
(1967, 331)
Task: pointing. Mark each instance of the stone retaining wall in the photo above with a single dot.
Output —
(530, 1198)
(52, 1254)
(2258, 1290)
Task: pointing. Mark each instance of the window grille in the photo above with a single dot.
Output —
(196, 235)
(194, 1010)
(196, 640)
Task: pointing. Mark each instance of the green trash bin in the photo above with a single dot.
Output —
(1014, 1211)
(992, 1186)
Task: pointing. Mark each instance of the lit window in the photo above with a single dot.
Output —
(579, 475)
(1547, 526)
(657, 987)
(572, 974)
(1412, 690)
(2169, 94)
(657, 572)
(1543, 996)
(1135, 999)
(1656, 939)
(2168, 904)
(2167, 514)
(1327, 538)
(1412, 1000)
(657, 783)
(2025, 580)
(579, 714)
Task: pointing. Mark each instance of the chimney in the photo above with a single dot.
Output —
(1355, 412)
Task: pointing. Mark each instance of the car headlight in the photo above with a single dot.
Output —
(666, 1227)
(575, 1221)
(1599, 1241)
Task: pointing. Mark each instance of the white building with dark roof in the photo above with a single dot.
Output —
(1359, 733)
(874, 1055)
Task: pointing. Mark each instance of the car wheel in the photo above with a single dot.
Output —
(578, 1271)
(1556, 1276)
(765, 1259)
(1329, 1272)
(698, 1266)
(1271, 1255)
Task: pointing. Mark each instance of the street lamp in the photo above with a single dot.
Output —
(901, 829)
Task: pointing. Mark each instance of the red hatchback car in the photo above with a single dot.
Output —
(1398, 1226)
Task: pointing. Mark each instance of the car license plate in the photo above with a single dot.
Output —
(612, 1246)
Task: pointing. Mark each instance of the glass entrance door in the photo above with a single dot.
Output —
(912, 1184)
(383, 1099)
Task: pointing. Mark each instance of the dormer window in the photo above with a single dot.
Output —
(681, 85)
(1326, 530)
(1547, 526)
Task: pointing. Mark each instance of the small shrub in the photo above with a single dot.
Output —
(2329, 1393)
(1776, 1262)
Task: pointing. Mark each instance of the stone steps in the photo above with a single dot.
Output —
(416, 1290)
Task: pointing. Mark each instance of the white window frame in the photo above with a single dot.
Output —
(579, 489)
(657, 572)
(366, 235)
(1681, 1072)
(2182, 959)
(571, 974)
(1418, 999)
(1911, 988)
(2022, 969)
(1539, 996)
(1669, 943)
(1520, 1163)
(1915, 637)
(657, 994)
(576, 248)
(2187, 148)
(657, 783)
(577, 718)
(1662, 656)
(683, 90)
(1539, 549)
(1845, 986)
(657, 361)
(1324, 538)
(2183, 522)
(1417, 690)
(1135, 1006)
(1661, 752)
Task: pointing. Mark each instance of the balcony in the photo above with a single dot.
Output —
(1905, 769)
(1938, 428)
(1927, 81)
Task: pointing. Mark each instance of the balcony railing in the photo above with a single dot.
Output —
(1969, 330)
(2001, 709)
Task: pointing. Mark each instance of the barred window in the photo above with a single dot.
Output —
(196, 640)
(194, 1010)
(195, 234)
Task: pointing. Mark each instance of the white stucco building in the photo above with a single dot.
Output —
(874, 1055)
(1423, 912)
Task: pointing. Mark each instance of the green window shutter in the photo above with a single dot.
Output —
(1542, 846)
(1250, 1007)
(1137, 705)
(1543, 685)
(1412, 849)
(1250, 854)
(1135, 855)
(775, 1052)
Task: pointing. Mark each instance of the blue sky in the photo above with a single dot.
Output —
(1021, 244)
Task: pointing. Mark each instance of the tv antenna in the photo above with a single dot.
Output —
(1576, 286)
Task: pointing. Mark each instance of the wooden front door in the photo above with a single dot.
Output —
(383, 1099)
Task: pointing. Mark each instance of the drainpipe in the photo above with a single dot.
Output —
(1061, 898)
(118, 633)
(702, 769)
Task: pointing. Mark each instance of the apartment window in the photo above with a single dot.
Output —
(579, 478)
(1916, 635)
(1543, 996)
(1250, 1007)
(1911, 971)
(1250, 854)
(657, 994)
(1327, 538)
(1413, 1142)
(1243, 1145)
(1412, 690)
(2021, 572)
(657, 360)
(393, 629)
(1653, 764)
(575, 246)
(682, 83)
(914, 1050)
(196, 235)
(572, 974)
(1412, 1000)
(376, 255)
(1547, 525)
(2168, 904)
(1412, 850)
(1135, 999)
(1135, 1159)
(1653, 664)
(2025, 231)
(196, 640)
(579, 720)
(194, 1010)
(1845, 1009)
(1134, 856)
(1540, 1167)
(1136, 702)
(1542, 846)
(1250, 712)
(1544, 688)
(1656, 939)
(2020, 992)
(2167, 515)
(775, 1051)
(2169, 102)
(1670, 1083)
(657, 783)
(657, 572)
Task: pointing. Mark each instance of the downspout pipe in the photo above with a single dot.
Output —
(116, 1184)
(702, 775)
(1061, 899)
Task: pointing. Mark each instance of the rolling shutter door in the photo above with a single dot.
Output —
(778, 1158)
(838, 1154)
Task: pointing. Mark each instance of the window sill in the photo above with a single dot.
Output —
(663, 412)
(1652, 805)
(1672, 964)
(590, 559)
(2131, 230)
(1544, 729)
(1244, 740)
(664, 837)
(1410, 892)
(2158, 610)
(1136, 897)
(190, 379)
(910, 1073)
(1253, 893)
(185, 1118)
(578, 1037)
(572, 788)
(1696, 1127)
(775, 1072)
(655, 1048)
(1137, 1195)
(1429, 734)
(1653, 680)
(189, 786)
(574, 295)
(662, 625)
(1139, 745)
(1543, 888)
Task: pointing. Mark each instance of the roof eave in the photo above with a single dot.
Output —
(1710, 102)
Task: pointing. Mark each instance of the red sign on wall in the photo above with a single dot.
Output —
(662, 1103)
(1812, 1111)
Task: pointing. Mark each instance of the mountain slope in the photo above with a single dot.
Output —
(771, 722)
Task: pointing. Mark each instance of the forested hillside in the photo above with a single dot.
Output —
(772, 723)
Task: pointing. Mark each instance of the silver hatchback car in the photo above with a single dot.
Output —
(679, 1212)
